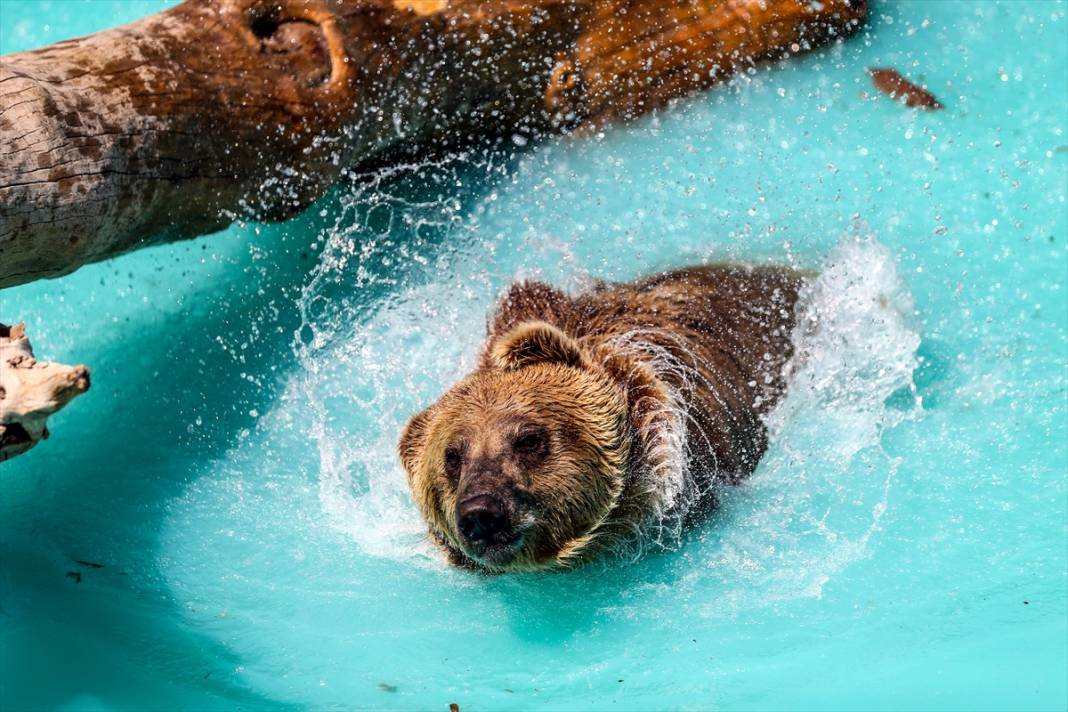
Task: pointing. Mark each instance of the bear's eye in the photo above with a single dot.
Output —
(533, 443)
(453, 462)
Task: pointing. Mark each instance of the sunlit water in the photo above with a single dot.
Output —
(902, 545)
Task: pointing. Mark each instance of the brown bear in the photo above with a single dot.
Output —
(592, 418)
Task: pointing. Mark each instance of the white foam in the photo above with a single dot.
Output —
(361, 480)
(378, 338)
(855, 346)
(823, 486)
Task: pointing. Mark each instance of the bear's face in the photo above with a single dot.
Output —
(518, 465)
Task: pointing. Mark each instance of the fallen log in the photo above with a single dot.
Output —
(31, 391)
(177, 124)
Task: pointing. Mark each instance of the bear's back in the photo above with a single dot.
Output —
(717, 335)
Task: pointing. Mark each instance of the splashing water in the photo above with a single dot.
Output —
(356, 353)
(811, 508)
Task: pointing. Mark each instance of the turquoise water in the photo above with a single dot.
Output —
(904, 544)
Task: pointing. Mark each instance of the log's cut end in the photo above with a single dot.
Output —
(31, 391)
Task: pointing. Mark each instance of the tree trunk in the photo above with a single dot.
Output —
(179, 123)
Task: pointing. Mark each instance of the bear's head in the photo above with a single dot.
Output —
(521, 464)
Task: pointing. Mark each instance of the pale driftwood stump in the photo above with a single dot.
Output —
(30, 391)
(179, 123)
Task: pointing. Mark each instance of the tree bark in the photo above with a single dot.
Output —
(30, 391)
(177, 124)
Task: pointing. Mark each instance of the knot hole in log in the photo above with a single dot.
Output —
(564, 94)
(300, 41)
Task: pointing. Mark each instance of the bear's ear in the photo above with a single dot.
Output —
(413, 440)
(535, 342)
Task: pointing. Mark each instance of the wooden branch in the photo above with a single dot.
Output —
(177, 124)
(30, 391)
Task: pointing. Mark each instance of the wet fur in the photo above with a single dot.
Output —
(655, 390)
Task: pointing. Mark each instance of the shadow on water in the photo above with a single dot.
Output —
(81, 524)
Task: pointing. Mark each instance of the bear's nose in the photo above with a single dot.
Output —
(481, 518)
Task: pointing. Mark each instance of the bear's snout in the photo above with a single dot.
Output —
(482, 519)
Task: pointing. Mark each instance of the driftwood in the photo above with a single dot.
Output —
(177, 124)
(30, 391)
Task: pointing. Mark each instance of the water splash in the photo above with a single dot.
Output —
(855, 347)
(381, 300)
(823, 486)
